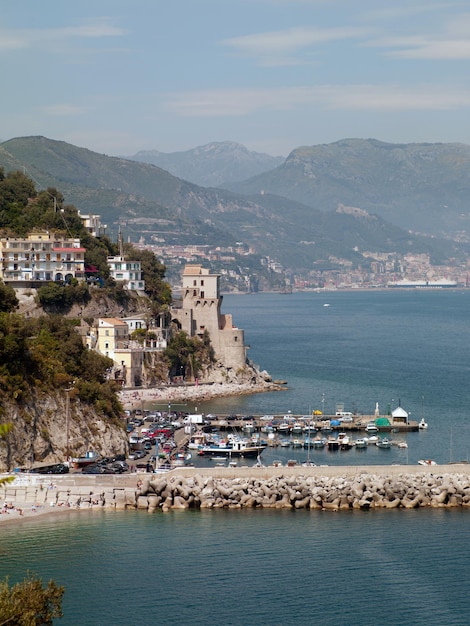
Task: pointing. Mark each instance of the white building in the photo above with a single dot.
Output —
(40, 257)
(127, 272)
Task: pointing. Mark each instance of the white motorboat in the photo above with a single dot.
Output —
(384, 443)
(361, 443)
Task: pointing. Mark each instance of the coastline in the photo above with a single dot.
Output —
(133, 398)
(318, 487)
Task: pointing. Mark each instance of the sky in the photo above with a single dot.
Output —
(119, 76)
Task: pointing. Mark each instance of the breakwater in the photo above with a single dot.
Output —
(324, 488)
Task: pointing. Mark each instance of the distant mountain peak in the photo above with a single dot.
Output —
(212, 164)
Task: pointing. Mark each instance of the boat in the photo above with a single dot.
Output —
(344, 441)
(235, 447)
(332, 444)
(297, 428)
(372, 428)
(283, 428)
(361, 443)
(83, 461)
(297, 443)
(402, 444)
(422, 425)
(319, 443)
(384, 443)
(426, 462)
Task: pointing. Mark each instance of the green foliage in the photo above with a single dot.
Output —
(187, 355)
(47, 352)
(153, 272)
(8, 299)
(4, 430)
(29, 603)
(55, 296)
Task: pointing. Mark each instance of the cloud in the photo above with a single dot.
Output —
(378, 98)
(30, 38)
(450, 40)
(64, 109)
(270, 47)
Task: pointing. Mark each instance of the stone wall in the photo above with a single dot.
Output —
(314, 489)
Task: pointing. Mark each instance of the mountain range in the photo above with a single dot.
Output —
(216, 163)
(321, 203)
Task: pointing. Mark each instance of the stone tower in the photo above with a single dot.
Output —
(201, 304)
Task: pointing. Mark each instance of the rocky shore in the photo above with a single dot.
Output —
(313, 488)
(133, 398)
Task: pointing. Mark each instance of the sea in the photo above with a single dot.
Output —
(278, 567)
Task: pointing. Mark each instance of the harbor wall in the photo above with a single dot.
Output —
(325, 488)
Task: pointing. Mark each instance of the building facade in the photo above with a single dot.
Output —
(40, 257)
(127, 272)
(201, 311)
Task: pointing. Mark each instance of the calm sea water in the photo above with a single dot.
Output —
(284, 567)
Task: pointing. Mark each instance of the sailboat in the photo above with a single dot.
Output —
(308, 462)
(422, 425)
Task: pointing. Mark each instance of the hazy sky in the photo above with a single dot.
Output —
(118, 76)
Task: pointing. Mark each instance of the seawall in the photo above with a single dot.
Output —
(327, 488)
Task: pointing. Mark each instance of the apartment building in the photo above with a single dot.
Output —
(40, 257)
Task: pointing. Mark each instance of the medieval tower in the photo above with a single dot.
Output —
(201, 303)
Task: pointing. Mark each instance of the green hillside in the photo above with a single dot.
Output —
(151, 203)
(422, 187)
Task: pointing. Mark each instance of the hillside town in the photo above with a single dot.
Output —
(379, 271)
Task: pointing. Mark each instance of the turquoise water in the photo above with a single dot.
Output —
(285, 567)
(251, 567)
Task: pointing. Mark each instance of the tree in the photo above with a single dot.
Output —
(28, 603)
(8, 300)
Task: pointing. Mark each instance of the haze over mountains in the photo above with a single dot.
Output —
(296, 213)
(213, 164)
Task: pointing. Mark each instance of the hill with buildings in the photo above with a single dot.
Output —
(154, 207)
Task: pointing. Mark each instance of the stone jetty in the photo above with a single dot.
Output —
(313, 488)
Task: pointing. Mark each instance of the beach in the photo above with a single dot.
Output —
(133, 398)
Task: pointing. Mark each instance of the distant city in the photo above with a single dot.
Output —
(243, 271)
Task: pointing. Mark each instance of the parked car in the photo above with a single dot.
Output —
(136, 454)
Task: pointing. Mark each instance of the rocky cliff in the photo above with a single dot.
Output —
(39, 433)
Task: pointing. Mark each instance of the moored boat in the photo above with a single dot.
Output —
(236, 447)
(360, 443)
(384, 443)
